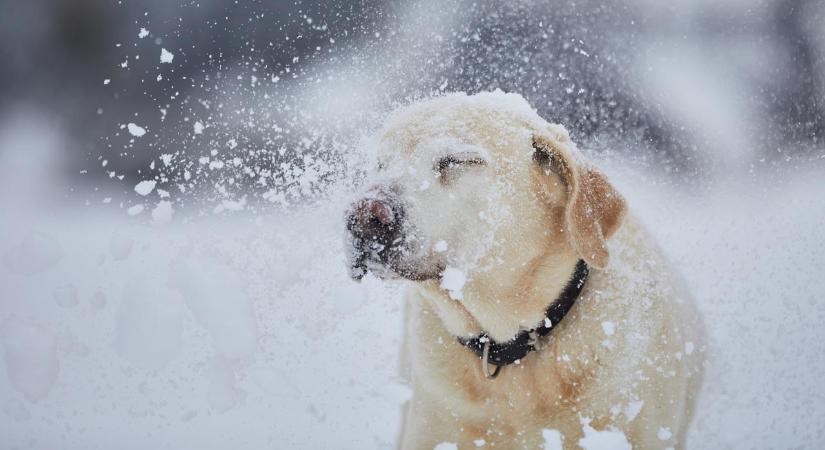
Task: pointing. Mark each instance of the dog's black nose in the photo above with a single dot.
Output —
(373, 222)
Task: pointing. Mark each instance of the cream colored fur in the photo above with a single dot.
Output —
(626, 359)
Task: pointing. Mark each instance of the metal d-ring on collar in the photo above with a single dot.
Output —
(485, 358)
(506, 353)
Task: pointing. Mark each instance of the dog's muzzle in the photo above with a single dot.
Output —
(374, 224)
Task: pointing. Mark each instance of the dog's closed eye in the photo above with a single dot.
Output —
(449, 167)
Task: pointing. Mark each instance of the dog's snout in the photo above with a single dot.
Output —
(373, 220)
(375, 225)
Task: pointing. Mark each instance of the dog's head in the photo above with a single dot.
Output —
(476, 183)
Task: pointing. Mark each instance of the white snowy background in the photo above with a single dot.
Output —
(148, 308)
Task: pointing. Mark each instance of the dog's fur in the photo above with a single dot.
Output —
(625, 360)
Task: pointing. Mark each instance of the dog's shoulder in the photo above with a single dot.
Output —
(635, 309)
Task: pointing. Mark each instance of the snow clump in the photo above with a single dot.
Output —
(452, 280)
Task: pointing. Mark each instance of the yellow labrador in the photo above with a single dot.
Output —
(539, 312)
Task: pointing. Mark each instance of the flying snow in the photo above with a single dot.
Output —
(135, 130)
(609, 328)
(602, 440)
(446, 446)
(145, 187)
(453, 280)
(166, 56)
(552, 439)
(440, 246)
(633, 409)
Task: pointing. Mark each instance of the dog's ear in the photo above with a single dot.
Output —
(594, 209)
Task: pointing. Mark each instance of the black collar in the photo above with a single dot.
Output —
(504, 353)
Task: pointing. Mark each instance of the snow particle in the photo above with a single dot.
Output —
(453, 281)
(198, 127)
(609, 328)
(552, 439)
(440, 246)
(134, 210)
(166, 56)
(611, 439)
(145, 187)
(135, 130)
(664, 433)
(143, 33)
(446, 446)
(632, 410)
(230, 205)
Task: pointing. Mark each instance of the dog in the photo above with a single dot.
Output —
(539, 312)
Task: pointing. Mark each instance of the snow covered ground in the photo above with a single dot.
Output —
(752, 254)
(245, 332)
(216, 335)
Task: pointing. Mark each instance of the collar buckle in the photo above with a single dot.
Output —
(526, 341)
(485, 365)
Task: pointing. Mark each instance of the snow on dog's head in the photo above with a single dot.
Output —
(475, 183)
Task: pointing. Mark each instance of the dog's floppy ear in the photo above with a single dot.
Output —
(594, 209)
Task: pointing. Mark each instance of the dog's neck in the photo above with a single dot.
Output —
(501, 308)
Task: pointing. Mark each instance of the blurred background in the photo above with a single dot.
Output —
(172, 176)
(691, 87)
